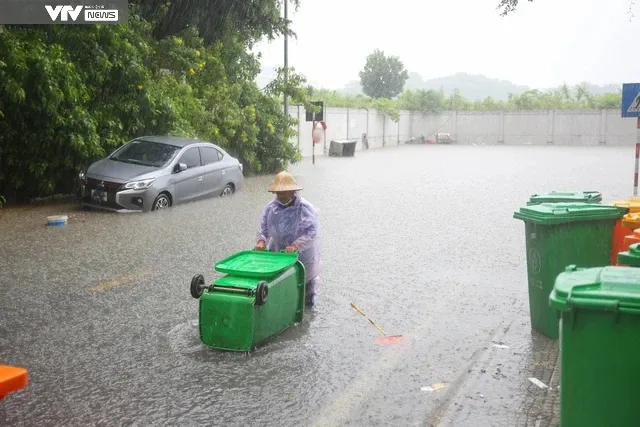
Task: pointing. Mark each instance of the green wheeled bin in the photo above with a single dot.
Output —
(558, 235)
(630, 258)
(565, 197)
(261, 295)
(599, 345)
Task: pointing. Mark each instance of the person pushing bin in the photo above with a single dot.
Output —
(290, 223)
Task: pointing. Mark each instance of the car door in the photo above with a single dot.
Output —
(212, 170)
(189, 184)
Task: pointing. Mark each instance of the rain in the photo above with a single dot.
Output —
(100, 310)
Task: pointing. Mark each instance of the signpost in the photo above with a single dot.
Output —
(631, 108)
(318, 127)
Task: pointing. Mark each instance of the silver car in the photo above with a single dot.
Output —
(156, 172)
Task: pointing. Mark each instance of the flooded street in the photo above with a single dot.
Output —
(420, 237)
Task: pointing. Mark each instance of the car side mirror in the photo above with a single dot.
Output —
(179, 167)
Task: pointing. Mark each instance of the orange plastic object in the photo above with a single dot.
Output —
(631, 239)
(623, 228)
(619, 233)
(12, 379)
(632, 203)
(631, 220)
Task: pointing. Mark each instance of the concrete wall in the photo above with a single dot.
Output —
(561, 127)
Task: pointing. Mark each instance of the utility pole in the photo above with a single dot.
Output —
(286, 56)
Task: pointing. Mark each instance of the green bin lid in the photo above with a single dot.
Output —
(630, 257)
(561, 213)
(257, 264)
(566, 196)
(611, 288)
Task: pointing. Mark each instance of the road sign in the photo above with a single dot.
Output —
(631, 100)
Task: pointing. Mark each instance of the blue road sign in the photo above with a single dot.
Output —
(631, 100)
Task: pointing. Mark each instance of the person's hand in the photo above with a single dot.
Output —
(261, 245)
(291, 249)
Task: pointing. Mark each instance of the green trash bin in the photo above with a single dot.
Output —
(261, 295)
(566, 197)
(630, 258)
(599, 345)
(558, 235)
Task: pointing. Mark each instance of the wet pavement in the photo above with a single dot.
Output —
(420, 237)
(502, 387)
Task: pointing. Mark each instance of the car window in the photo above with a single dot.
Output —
(191, 158)
(220, 155)
(146, 153)
(210, 155)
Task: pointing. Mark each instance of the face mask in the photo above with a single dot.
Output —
(284, 204)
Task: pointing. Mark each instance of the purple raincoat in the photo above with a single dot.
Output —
(295, 224)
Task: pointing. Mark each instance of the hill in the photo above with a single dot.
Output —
(471, 86)
(475, 86)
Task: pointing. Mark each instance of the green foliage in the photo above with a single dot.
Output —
(72, 94)
(433, 102)
(508, 6)
(383, 76)
(423, 101)
(295, 87)
(215, 20)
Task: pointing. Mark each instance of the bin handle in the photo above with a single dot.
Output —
(267, 250)
(593, 304)
(231, 290)
(605, 305)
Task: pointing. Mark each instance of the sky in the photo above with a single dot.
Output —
(543, 44)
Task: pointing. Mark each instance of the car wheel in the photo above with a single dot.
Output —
(227, 190)
(162, 201)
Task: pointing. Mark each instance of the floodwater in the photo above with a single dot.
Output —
(420, 237)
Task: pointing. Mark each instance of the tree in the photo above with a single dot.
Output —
(383, 76)
(215, 19)
(508, 6)
(426, 102)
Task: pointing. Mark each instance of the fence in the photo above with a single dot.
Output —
(557, 127)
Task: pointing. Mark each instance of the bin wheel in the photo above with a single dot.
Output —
(261, 293)
(197, 286)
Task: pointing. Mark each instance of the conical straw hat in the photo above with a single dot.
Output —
(284, 181)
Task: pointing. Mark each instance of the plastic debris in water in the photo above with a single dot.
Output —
(500, 346)
(387, 339)
(538, 383)
(434, 387)
(390, 339)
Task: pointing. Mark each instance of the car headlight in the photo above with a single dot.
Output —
(139, 185)
(82, 175)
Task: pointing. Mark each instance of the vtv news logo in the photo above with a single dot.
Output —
(91, 13)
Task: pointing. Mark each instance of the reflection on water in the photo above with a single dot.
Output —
(184, 339)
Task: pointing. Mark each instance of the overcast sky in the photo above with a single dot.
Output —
(542, 44)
